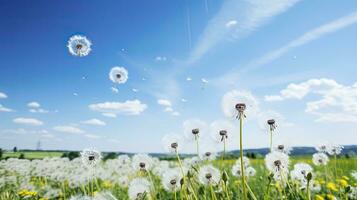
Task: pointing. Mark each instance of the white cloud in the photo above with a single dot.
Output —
(28, 121)
(164, 102)
(168, 109)
(114, 90)
(273, 98)
(68, 129)
(3, 95)
(251, 15)
(176, 113)
(33, 104)
(4, 109)
(336, 103)
(309, 36)
(129, 107)
(160, 58)
(92, 136)
(95, 122)
(24, 131)
(111, 115)
(231, 23)
(39, 110)
(188, 79)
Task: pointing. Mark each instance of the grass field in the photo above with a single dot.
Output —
(63, 179)
(33, 154)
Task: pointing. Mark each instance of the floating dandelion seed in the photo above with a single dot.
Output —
(118, 75)
(79, 45)
(320, 159)
(90, 158)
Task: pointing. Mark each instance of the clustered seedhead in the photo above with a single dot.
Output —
(79, 46)
(142, 166)
(173, 182)
(118, 76)
(223, 134)
(281, 147)
(240, 107)
(174, 145)
(277, 163)
(208, 176)
(272, 124)
(91, 157)
(195, 131)
(208, 154)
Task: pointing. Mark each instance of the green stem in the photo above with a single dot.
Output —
(251, 192)
(197, 146)
(271, 140)
(308, 190)
(241, 156)
(212, 192)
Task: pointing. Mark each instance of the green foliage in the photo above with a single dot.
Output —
(71, 155)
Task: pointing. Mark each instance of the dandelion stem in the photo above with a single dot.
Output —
(241, 156)
(271, 140)
(212, 192)
(251, 192)
(197, 146)
(308, 190)
(175, 194)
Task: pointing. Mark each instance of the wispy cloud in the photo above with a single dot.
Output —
(164, 102)
(28, 121)
(35, 107)
(4, 109)
(307, 37)
(237, 19)
(95, 122)
(3, 95)
(68, 129)
(134, 107)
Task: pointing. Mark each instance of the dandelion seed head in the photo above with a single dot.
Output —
(79, 45)
(118, 75)
(277, 162)
(209, 175)
(320, 159)
(138, 188)
(90, 158)
(171, 179)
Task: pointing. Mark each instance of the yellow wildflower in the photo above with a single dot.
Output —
(107, 184)
(346, 178)
(343, 182)
(331, 197)
(319, 197)
(332, 186)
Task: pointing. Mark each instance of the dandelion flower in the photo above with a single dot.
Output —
(171, 179)
(209, 175)
(171, 143)
(300, 171)
(208, 155)
(320, 159)
(142, 162)
(139, 188)
(193, 129)
(277, 163)
(283, 148)
(334, 149)
(221, 130)
(90, 158)
(118, 75)
(246, 162)
(322, 148)
(231, 109)
(79, 45)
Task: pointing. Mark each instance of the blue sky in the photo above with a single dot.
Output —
(297, 58)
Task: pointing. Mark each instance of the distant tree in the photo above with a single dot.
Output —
(15, 149)
(110, 155)
(70, 155)
(22, 156)
(1, 152)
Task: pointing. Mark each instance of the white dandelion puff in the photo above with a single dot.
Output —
(334, 149)
(142, 162)
(221, 130)
(171, 179)
(193, 129)
(233, 100)
(320, 159)
(354, 174)
(209, 175)
(322, 148)
(277, 163)
(79, 45)
(283, 148)
(90, 158)
(118, 75)
(139, 188)
(171, 143)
